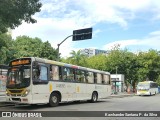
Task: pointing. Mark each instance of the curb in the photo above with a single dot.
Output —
(121, 96)
(4, 104)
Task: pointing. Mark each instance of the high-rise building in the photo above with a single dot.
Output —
(91, 52)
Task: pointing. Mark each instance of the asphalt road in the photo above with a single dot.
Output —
(134, 103)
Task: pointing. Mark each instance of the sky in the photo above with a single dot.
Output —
(133, 24)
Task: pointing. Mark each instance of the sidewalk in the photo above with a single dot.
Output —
(122, 94)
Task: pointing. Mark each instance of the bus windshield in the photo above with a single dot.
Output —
(18, 77)
(143, 86)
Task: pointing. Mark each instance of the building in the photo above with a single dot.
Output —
(118, 81)
(91, 52)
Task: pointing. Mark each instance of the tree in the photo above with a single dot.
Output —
(13, 12)
(97, 62)
(76, 58)
(33, 47)
(26, 46)
(6, 49)
(124, 62)
(47, 51)
(149, 65)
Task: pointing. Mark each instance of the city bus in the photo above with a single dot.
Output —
(147, 88)
(33, 80)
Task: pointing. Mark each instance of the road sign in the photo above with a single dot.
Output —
(82, 34)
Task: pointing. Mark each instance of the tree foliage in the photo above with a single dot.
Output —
(97, 62)
(33, 47)
(47, 51)
(13, 12)
(24, 46)
(6, 48)
(135, 67)
(76, 58)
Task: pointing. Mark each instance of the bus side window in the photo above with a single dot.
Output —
(43, 73)
(36, 73)
(107, 79)
(68, 74)
(60, 72)
(54, 72)
(90, 77)
(80, 76)
(99, 78)
(95, 77)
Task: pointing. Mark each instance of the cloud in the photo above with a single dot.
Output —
(149, 42)
(58, 18)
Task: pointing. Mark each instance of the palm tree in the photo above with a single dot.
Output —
(76, 57)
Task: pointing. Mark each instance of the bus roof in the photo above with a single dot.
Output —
(64, 64)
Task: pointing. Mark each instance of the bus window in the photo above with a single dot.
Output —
(43, 73)
(68, 74)
(90, 77)
(54, 72)
(80, 76)
(106, 79)
(95, 77)
(36, 73)
(103, 82)
(99, 78)
(40, 74)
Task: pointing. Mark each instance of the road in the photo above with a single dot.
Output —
(134, 103)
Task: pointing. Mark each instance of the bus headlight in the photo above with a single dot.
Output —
(7, 93)
(25, 93)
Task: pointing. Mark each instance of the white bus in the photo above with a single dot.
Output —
(147, 88)
(34, 80)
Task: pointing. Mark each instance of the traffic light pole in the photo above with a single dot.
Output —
(81, 34)
(58, 56)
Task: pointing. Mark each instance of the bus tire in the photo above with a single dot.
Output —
(150, 94)
(54, 99)
(94, 97)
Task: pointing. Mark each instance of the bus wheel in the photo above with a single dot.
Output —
(94, 97)
(150, 94)
(54, 100)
